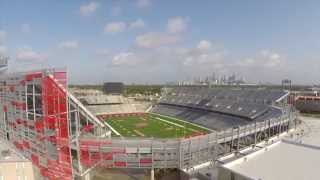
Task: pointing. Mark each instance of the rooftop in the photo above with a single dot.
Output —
(288, 159)
(283, 160)
(309, 132)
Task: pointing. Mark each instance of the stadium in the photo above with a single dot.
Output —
(199, 110)
(188, 127)
(159, 90)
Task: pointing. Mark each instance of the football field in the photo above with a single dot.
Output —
(152, 125)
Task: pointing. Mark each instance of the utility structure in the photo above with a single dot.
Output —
(50, 127)
(3, 63)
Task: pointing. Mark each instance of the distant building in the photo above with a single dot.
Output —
(286, 84)
(3, 63)
(113, 88)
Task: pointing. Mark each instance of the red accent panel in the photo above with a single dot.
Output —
(54, 101)
(26, 144)
(39, 125)
(146, 160)
(5, 108)
(18, 145)
(23, 82)
(120, 164)
(35, 160)
(50, 122)
(88, 128)
(12, 88)
(107, 156)
(19, 121)
(30, 77)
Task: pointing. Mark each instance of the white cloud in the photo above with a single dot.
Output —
(202, 55)
(271, 59)
(143, 3)
(188, 61)
(247, 62)
(154, 40)
(103, 52)
(3, 50)
(116, 11)
(25, 28)
(198, 60)
(264, 59)
(69, 45)
(88, 9)
(177, 24)
(264, 66)
(115, 27)
(125, 59)
(119, 26)
(3, 36)
(139, 23)
(204, 45)
(165, 63)
(27, 54)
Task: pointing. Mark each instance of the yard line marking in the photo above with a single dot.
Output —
(139, 133)
(170, 122)
(210, 130)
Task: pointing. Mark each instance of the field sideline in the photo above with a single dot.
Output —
(153, 125)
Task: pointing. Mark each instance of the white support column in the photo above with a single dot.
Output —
(152, 174)
(87, 176)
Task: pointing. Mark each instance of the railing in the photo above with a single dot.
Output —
(120, 152)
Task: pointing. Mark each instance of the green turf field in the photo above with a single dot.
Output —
(151, 125)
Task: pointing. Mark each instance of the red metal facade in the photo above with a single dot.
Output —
(35, 121)
(55, 120)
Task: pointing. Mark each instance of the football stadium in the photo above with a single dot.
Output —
(199, 132)
(185, 128)
(192, 111)
(159, 90)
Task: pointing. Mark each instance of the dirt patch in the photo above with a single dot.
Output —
(144, 119)
(141, 125)
(139, 133)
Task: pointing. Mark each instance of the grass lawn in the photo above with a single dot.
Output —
(151, 125)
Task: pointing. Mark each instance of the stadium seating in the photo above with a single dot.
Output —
(219, 108)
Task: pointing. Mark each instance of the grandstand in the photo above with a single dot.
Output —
(219, 109)
(112, 104)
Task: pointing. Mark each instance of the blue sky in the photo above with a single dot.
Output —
(153, 41)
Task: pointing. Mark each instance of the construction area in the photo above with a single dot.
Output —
(47, 125)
